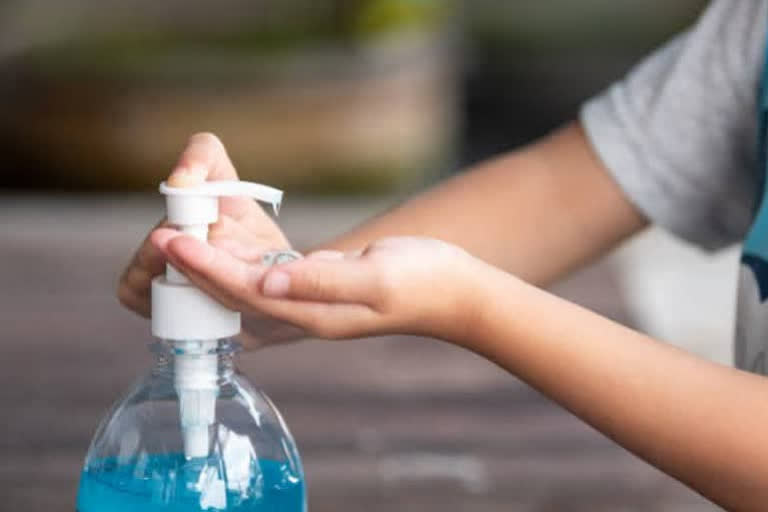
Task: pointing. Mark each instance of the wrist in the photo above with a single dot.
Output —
(481, 293)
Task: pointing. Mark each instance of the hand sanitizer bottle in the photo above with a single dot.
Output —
(193, 434)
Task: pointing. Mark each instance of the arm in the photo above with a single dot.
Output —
(702, 423)
(539, 212)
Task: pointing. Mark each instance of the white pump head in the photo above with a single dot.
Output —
(191, 320)
(179, 310)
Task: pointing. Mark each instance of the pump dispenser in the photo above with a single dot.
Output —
(191, 320)
(193, 434)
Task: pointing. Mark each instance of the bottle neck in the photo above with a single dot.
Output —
(197, 370)
(176, 359)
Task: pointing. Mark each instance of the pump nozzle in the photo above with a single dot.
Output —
(199, 204)
(231, 188)
(182, 313)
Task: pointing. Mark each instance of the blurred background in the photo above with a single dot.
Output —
(349, 105)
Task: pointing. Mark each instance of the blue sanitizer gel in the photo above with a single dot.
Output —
(149, 454)
(171, 483)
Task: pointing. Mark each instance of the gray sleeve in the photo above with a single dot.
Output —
(679, 132)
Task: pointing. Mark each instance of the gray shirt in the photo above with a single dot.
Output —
(679, 132)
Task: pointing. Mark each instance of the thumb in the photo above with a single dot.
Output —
(204, 159)
(321, 280)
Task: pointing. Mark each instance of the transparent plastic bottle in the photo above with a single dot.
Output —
(193, 434)
(137, 461)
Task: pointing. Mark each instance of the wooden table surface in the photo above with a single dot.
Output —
(391, 424)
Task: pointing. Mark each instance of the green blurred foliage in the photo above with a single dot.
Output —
(377, 17)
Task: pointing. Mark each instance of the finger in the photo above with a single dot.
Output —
(133, 287)
(241, 242)
(357, 253)
(216, 272)
(226, 234)
(138, 304)
(135, 281)
(205, 159)
(237, 249)
(148, 257)
(326, 255)
(231, 282)
(160, 237)
(323, 280)
(227, 227)
(231, 236)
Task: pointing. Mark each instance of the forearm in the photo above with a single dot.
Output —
(703, 423)
(538, 212)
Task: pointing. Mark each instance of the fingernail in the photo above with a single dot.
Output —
(276, 284)
(186, 177)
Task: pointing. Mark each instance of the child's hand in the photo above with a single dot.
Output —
(396, 285)
(243, 229)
